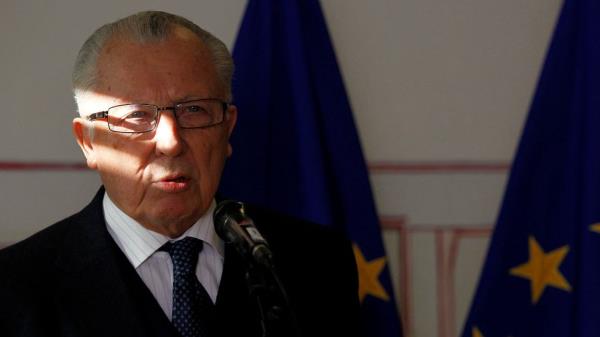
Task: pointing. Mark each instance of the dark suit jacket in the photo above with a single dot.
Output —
(71, 279)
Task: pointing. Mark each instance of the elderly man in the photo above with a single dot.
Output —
(143, 259)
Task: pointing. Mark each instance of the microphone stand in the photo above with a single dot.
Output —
(276, 315)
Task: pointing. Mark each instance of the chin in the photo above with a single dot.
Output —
(175, 214)
(181, 211)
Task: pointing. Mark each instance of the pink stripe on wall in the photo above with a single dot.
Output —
(41, 166)
(377, 167)
(439, 167)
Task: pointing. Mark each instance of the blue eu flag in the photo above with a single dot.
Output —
(296, 147)
(542, 273)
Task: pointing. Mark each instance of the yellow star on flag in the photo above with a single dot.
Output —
(595, 227)
(542, 269)
(476, 332)
(368, 276)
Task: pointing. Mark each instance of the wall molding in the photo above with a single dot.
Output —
(375, 167)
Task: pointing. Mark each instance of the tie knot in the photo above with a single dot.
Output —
(184, 254)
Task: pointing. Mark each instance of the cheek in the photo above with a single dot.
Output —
(209, 156)
(124, 159)
(122, 168)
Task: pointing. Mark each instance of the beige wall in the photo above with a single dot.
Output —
(438, 89)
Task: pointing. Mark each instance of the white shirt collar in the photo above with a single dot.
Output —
(138, 243)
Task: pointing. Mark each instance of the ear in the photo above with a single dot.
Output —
(231, 119)
(82, 136)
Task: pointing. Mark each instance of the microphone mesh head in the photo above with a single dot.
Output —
(226, 211)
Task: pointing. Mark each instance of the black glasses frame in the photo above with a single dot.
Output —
(174, 108)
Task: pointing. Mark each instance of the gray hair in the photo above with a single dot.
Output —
(149, 26)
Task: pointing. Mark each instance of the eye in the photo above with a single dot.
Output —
(194, 108)
(138, 114)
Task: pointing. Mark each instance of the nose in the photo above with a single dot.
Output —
(167, 138)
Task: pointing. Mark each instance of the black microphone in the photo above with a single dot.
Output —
(234, 227)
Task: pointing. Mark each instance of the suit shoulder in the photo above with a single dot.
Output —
(41, 247)
(280, 225)
(300, 239)
(36, 250)
(317, 266)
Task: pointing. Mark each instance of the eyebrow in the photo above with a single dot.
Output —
(188, 98)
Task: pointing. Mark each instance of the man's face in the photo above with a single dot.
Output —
(167, 178)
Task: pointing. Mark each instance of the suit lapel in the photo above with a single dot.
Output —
(102, 291)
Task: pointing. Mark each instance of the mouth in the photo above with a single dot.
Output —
(175, 180)
(173, 183)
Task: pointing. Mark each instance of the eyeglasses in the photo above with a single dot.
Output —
(138, 118)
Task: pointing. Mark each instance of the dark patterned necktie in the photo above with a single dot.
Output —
(193, 310)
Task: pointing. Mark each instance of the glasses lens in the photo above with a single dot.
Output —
(199, 114)
(132, 118)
